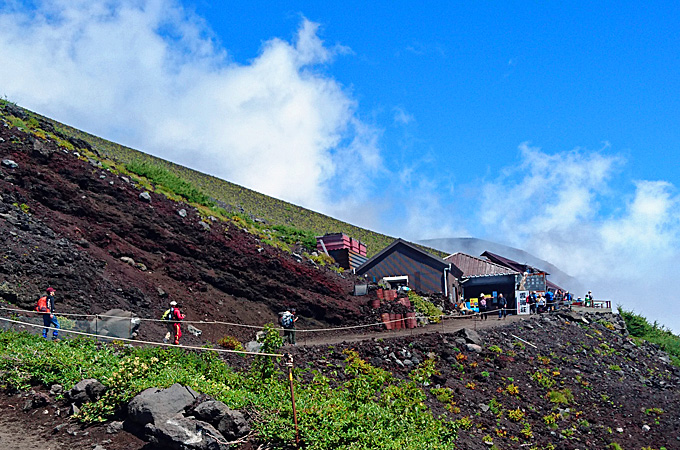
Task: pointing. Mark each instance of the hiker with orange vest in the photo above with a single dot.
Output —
(174, 316)
(46, 306)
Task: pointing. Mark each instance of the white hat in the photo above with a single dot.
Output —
(173, 303)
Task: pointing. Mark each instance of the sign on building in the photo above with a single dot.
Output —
(522, 302)
(530, 281)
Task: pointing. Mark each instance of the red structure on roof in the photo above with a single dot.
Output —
(349, 253)
(340, 241)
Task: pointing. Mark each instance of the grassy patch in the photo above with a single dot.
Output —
(640, 327)
(424, 307)
(362, 410)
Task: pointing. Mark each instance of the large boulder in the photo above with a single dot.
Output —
(115, 323)
(153, 405)
(211, 411)
(88, 390)
(231, 424)
(182, 433)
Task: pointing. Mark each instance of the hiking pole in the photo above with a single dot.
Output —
(289, 364)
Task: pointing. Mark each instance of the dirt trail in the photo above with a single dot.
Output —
(312, 338)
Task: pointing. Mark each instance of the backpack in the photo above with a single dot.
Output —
(287, 320)
(168, 314)
(42, 305)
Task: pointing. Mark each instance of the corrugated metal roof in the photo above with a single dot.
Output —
(507, 262)
(472, 266)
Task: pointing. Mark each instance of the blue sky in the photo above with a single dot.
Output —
(551, 127)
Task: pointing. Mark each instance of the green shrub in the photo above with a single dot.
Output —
(271, 342)
(424, 307)
(230, 343)
(292, 236)
(561, 397)
(516, 415)
(639, 327)
(169, 181)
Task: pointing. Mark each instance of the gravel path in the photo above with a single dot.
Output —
(447, 326)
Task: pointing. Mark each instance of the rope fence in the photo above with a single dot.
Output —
(232, 324)
(137, 341)
(307, 331)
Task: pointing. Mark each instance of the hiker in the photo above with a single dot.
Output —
(482, 307)
(541, 303)
(532, 302)
(589, 299)
(502, 307)
(549, 299)
(46, 306)
(288, 319)
(559, 299)
(173, 316)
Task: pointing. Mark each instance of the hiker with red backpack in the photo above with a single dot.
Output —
(173, 316)
(46, 306)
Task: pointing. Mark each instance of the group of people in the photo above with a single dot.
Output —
(173, 317)
(485, 306)
(548, 301)
(45, 305)
(539, 302)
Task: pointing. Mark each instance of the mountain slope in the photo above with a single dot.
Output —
(68, 221)
(233, 197)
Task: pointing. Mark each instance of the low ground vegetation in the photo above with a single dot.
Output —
(427, 391)
(640, 328)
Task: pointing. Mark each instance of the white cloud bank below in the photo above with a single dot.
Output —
(147, 74)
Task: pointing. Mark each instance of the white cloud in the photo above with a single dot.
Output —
(562, 208)
(147, 73)
(401, 117)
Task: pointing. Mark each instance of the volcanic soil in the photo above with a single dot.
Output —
(67, 222)
(552, 381)
(556, 380)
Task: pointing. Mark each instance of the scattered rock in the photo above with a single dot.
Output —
(474, 348)
(193, 330)
(127, 260)
(115, 323)
(9, 163)
(470, 336)
(253, 346)
(85, 391)
(145, 196)
(179, 432)
(114, 427)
